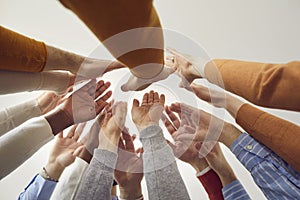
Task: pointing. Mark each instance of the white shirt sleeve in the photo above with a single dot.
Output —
(22, 142)
(70, 180)
(13, 116)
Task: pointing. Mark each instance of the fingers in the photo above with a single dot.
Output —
(162, 99)
(60, 135)
(136, 103)
(128, 141)
(173, 117)
(169, 126)
(71, 131)
(121, 144)
(101, 88)
(101, 103)
(145, 99)
(80, 128)
(201, 92)
(151, 98)
(78, 150)
(156, 98)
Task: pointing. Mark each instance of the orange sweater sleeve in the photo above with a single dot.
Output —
(20, 53)
(109, 18)
(268, 85)
(280, 136)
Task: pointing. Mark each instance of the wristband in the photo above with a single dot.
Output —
(46, 176)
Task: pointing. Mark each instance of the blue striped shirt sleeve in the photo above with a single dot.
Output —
(235, 190)
(272, 174)
(38, 189)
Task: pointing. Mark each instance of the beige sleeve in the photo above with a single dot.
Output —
(279, 135)
(268, 85)
(13, 116)
(20, 53)
(70, 180)
(22, 142)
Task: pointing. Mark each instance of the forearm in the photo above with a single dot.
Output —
(20, 53)
(229, 134)
(22, 142)
(59, 59)
(98, 179)
(263, 84)
(162, 176)
(59, 120)
(140, 45)
(25, 81)
(279, 135)
(13, 116)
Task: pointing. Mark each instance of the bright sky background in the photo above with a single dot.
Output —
(266, 31)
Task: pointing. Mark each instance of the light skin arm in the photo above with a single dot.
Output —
(63, 153)
(184, 150)
(87, 67)
(206, 126)
(217, 161)
(129, 168)
(81, 106)
(113, 124)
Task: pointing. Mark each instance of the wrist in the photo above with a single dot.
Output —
(233, 105)
(59, 120)
(226, 177)
(199, 165)
(109, 141)
(142, 126)
(132, 192)
(53, 170)
(229, 134)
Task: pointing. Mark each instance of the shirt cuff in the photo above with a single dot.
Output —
(106, 158)
(151, 132)
(235, 190)
(204, 171)
(38, 188)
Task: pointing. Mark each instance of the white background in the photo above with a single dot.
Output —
(256, 30)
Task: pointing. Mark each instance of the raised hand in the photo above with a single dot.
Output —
(112, 126)
(82, 105)
(129, 168)
(185, 150)
(149, 112)
(188, 67)
(49, 100)
(63, 153)
(208, 127)
(90, 140)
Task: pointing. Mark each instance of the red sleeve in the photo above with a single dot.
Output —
(212, 185)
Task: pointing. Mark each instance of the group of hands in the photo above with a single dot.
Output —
(194, 140)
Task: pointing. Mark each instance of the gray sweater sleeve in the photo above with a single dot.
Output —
(98, 178)
(161, 173)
